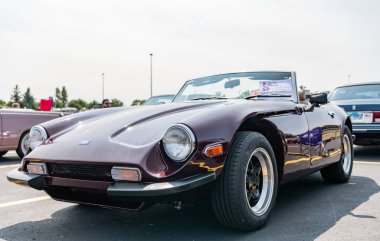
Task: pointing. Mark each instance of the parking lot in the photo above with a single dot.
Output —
(307, 209)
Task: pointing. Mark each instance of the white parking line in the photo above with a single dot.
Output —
(30, 200)
(9, 166)
(363, 162)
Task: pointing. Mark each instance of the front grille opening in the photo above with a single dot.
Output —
(80, 171)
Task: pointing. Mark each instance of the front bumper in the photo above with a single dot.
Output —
(159, 189)
(25, 179)
(366, 128)
(366, 134)
(117, 189)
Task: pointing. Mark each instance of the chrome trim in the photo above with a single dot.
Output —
(159, 189)
(347, 155)
(267, 189)
(25, 144)
(25, 179)
(41, 130)
(365, 130)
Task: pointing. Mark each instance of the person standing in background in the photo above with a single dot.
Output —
(106, 103)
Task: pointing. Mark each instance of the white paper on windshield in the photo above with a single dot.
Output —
(276, 86)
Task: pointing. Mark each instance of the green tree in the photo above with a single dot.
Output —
(3, 103)
(37, 104)
(78, 103)
(116, 103)
(92, 104)
(15, 97)
(58, 97)
(138, 102)
(61, 97)
(64, 96)
(28, 100)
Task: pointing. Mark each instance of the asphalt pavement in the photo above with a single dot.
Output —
(307, 209)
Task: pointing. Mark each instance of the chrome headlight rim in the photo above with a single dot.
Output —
(43, 135)
(190, 135)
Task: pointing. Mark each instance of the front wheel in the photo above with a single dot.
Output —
(340, 171)
(23, 145)
(246, 191)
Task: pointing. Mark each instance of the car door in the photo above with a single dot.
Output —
(324, 135)
(294, 129)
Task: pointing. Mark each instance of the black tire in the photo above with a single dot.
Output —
(19, 149)
(230, 200)
(2, 153)
(340, 172)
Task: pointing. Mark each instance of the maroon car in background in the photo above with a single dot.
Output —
(232, 137)
(15, 125)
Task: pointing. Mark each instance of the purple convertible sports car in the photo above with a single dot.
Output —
(234, 137)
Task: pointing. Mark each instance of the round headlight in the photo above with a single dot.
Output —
(179, 142)
(37, 136)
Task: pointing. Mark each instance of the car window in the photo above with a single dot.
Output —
(356, 92)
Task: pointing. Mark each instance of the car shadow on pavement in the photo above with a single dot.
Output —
(369, 153)
(305, 209)
(8, 160)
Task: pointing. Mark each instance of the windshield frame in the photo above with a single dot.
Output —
(293, 98)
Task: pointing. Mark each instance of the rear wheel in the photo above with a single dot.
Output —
(2, 153)
(340, 171)
(246, 191)
(23, 145)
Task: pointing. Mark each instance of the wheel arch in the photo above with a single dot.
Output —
(348, 123)
(270, 131)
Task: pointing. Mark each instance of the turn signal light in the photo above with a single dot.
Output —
(376, 117)
(126, 174)
(37, 168)
(212, 151)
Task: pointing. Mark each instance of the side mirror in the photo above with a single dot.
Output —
(318, 99)
(232, 83)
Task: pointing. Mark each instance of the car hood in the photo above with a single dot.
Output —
(135, 129)
(132, 136)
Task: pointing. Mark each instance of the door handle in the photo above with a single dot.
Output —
(331, 113)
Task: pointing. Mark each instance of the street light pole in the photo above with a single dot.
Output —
(349, 79)
(151, 74)
(102, 86)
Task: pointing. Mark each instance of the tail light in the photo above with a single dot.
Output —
(376, 117)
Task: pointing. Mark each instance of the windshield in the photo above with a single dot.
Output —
(356, 92)
(240, 86)
(157, 100)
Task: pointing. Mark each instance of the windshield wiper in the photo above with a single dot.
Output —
(261, 96)
(210, 98)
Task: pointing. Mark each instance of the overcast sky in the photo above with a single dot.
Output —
(45, 44)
